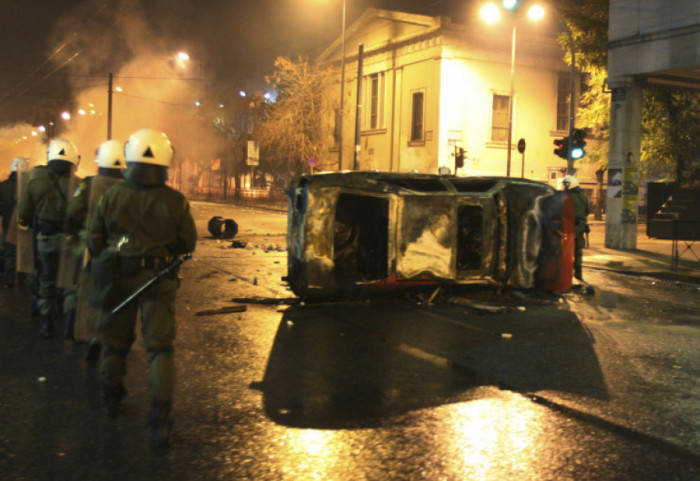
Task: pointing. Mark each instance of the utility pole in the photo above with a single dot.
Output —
(109, 108)
(358, 110)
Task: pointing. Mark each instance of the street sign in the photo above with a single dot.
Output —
(253, 157)
(312, 162)
(521, 146)
(619, 94)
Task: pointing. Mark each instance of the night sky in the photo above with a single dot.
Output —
(50, 48)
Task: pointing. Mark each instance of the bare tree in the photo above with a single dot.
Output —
(290, 132)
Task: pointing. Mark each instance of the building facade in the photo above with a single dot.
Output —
(431, 86)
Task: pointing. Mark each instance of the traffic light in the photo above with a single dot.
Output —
(578, 144)
(510, 4)
(562, 146)
(459, 157)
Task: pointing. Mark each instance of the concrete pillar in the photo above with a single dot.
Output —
(623, 165)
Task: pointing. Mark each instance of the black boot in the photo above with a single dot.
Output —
(69, 326)
(35, 306)
(161, 423)
(46, 326)
(111, 399)
(94, 347)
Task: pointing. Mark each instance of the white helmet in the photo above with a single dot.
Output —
(62, 149)
(110, 154)
(15, 163)
(570, 182)
(149, 146)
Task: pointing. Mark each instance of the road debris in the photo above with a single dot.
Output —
(274, 301)
(222, 228)
(480, 307)
(223, 310)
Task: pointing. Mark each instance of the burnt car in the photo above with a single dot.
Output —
(359, 233)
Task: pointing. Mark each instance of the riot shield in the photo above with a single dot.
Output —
(69, 261)
(86, 314)
(24, 238)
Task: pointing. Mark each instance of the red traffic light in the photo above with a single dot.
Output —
(561, 147)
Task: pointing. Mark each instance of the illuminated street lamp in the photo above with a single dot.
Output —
(491, 13)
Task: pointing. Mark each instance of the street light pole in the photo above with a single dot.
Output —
(342, 94)
(510, 101)
(109, 108)
(491, 13)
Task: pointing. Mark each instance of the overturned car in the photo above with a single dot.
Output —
(359, 233)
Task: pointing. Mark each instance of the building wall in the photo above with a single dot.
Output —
(458, 79)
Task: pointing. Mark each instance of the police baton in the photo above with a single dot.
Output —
(153, 280)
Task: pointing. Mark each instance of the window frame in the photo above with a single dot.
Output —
(493, 126)
(563, 101)
(375, 100)
(414, 126)
(336, 128)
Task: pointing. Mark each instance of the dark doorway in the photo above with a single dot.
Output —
(469, 237)
(360, 238)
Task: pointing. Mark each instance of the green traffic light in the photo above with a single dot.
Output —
(510, 4)
(577, 153)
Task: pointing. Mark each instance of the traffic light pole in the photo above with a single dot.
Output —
(569, 160)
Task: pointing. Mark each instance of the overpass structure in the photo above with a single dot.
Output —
(650, 42)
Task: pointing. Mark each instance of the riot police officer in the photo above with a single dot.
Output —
(149, 224)
(581, 210)
(8, 201)
(80, 316)
(42, 208)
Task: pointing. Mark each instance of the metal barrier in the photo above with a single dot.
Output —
(688, 232)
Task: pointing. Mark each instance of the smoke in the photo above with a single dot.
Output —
(20, 140)
(151, 87)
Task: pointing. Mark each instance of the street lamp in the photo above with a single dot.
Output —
(490, 13)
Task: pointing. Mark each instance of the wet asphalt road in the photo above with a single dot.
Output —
(571, 388)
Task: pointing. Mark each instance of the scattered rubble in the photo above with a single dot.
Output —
(274, 301)
(223, 310)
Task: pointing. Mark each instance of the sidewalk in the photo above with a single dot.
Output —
(652, 256)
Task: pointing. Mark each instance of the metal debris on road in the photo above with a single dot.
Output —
(275, 301)
(461, 301)
(238, 245)
(223, 310)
